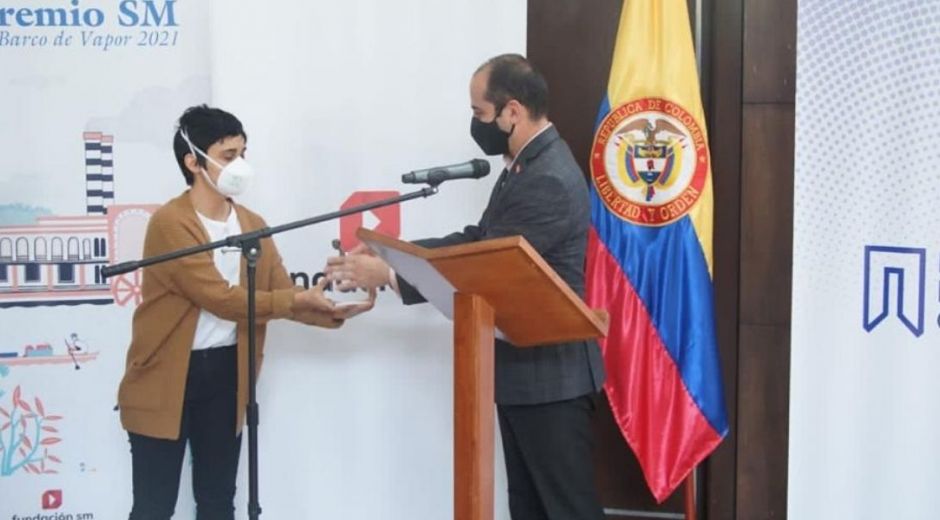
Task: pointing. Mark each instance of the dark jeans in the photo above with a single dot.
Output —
(208, 424)
(549, 465)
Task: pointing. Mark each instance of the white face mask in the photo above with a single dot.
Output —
(234, 177)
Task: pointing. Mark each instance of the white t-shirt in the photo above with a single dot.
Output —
(211, 331)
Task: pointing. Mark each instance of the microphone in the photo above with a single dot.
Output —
(466, 170)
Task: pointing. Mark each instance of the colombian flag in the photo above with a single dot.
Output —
(649, 259)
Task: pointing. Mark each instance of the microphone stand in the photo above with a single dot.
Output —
(250, 245)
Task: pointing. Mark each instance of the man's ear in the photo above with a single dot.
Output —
(516, 110)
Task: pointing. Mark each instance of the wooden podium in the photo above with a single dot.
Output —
(493, 288)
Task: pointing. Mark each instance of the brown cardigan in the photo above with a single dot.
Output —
(151, 393)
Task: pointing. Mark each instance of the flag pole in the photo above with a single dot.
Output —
(690, 487)
(690, 506)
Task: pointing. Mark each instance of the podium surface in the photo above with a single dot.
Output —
(533, 305)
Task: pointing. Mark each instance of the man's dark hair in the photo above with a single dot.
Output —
(513, 77)
(205, 126)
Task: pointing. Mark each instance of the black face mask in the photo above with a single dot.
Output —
(491, 139)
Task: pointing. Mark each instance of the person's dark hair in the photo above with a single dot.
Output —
(205, 126)
(513, 77)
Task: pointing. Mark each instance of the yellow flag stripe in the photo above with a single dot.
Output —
(654, 57)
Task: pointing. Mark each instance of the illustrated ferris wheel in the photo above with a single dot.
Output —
(127, 229)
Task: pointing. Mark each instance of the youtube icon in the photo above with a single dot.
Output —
(52, 499)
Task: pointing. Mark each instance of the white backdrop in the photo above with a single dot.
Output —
(864, 422)
(336, 97)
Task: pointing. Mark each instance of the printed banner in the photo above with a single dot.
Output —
(338, 101)
(863, 417)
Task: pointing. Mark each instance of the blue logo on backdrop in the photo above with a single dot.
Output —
(897, 273)
(139, 23)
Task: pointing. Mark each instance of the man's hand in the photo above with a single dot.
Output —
(362, 249)
(358, 269)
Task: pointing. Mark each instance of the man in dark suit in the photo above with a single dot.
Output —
(544, 396)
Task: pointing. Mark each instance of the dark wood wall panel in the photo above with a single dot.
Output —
(770, 51)
(723, 113)
(766, 214)
(561, 35)
(768, 85)
(762, 438)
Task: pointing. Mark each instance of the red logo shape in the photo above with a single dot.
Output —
(52, 499)
(385, 220)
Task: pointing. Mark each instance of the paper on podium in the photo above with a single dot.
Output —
(533, 305)
(436, 289)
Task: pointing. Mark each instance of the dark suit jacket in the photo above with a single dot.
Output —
(544, 199)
